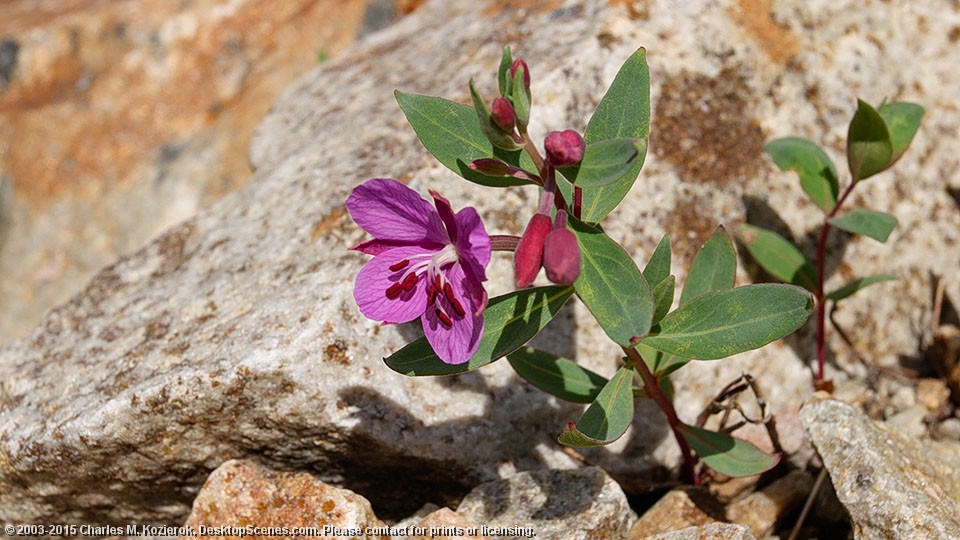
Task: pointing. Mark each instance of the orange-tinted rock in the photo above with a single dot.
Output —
(244, 500)
(121, 119)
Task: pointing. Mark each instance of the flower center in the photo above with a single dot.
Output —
(439, 289)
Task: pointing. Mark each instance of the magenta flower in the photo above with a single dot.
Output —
(428, 263)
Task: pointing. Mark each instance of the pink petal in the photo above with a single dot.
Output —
(456, 344)
(446, 215)
(391, 211)
(473, 243)
(374, 279)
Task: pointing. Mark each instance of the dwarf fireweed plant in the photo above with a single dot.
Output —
(876, 139)
(429, 264)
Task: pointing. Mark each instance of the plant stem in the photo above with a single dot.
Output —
(660, 398)
(504, 242)
(820, 296)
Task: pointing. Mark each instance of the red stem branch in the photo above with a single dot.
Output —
(660, 398)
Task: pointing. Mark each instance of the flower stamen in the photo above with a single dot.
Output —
(444, 319)
(397, 266)
(454, 303)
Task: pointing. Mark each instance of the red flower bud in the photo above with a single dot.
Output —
(503, 115)
(564, 148)
(561, 257)
(529, 254)
(526, 73)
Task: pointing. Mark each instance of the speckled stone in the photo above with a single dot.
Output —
(892, 485)
(712, 531)
(575, 504)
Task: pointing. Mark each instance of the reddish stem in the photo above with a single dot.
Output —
(819, 294)
(660, 398)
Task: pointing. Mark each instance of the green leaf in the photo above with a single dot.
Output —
(611, 286)
(658, 267)
(608, 417)
(605, 162)
(903, 121)
(520, 98)
(450, 132)
(557, 376)
(876, 225)
(624, 111)
(869, 148)
(509, 321)
(660, 364)
(779, 257)
(721, 323)
(818, 175)
(663, 298)
(713, 268)
(728, 455)
(497, 137)
(857, 284)
(503, 72)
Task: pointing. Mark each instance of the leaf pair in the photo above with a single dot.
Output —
(876, 139)
(782, 260)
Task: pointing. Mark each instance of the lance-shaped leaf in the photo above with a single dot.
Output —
(663, 298)
(605, 161)
(818, 175)
(451, 133)
(713, 268)
(503, 72)
(903, 121)
(728, 455)
(509, 321)
(608, 417)
(721, 323)
(658, 267)
(556, 375)
(857, 284)
(624, 111)
(876, 225)
(779, 257)
(611, 286)
(520, 97)
(660, 363)
(869, 148)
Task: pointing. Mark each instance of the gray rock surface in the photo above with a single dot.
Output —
(892, 485)
(235, 333)
(578, 504)
(712, 531)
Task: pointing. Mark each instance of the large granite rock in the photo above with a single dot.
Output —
(892, 485)
(235, 333)
(121, 119)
